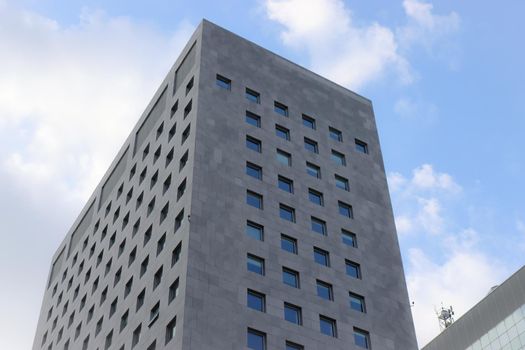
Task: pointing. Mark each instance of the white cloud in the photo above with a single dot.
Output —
(425, 177)
(346, 52)
(69, 96)
(463, 278)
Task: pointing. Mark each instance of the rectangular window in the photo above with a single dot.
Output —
(311, 145)
(361, 338)
(324, 290)
(171, 328)
(183, 161)
(328, 326)
(181, 189)
(361, 146)
(338, 158)
(185, 134)
(284, 157)
(322, 257)
(282, 132)
(254, 170)
(253, 96)
(313, 170)
(309, 122)
(140, 299)
(127, 287)
(342, 183)
(187, 111)
(124, 320)
(293, 314)
(285, 184)
(144, 266)
(318, 226)
(157, 278)
(173, 291)
(335, 134)
(223, 82)
(253, 144)
(136, 336)
(281, 109)
(288, 244)
(357, 302)
(287, 213)
(353, 269)
(293, 346)
(154, 313)
(255, 231)
(290, 277)
(255, 264)
(345, 210)
(189, 85)
(315, 197)
(179, 219)
(349, 238)
(254, 199)
(161, 243)
(256, 340)
(175, 255)
(256, 300)
(253, 119)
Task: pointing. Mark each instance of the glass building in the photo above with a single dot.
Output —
(496, 323)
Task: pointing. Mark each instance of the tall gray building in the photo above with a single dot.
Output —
(496, 323)
(248, 209)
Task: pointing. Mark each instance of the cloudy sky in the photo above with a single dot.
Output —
(446, 79)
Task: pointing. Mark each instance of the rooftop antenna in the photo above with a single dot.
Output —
(445, 317)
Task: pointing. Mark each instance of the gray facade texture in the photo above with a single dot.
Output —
(496, 323)
(248, 209)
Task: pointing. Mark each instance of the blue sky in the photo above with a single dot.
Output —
(446, 79)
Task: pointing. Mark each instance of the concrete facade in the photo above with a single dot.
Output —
(496, 323)
(136, 214)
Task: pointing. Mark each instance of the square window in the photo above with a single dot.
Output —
(290, 277)
(349, 238)
(253, 119)
(255, 264)
(223, 82)
(318, 226)
(357, 302)
(256, 340)
(284, 157)
(338, 158)
(324, 290)
(253, 96)
(287, 213)
(254, 199)
(255, 231)
(282, 132)
(322, 257)
(335, 134)
(256, 300)
(309, 122)
(292, 313)
(353, 269)
(293, 346)
(315, 197)
(361, 146)
(361, 338)
(345, 210)
(311, 145)
(280, 108)
(253, 144)
(342, 183)
(171, 328)
(313, 170)
(288, 244)
(254, 170)
(328, 326)
(285, 184)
